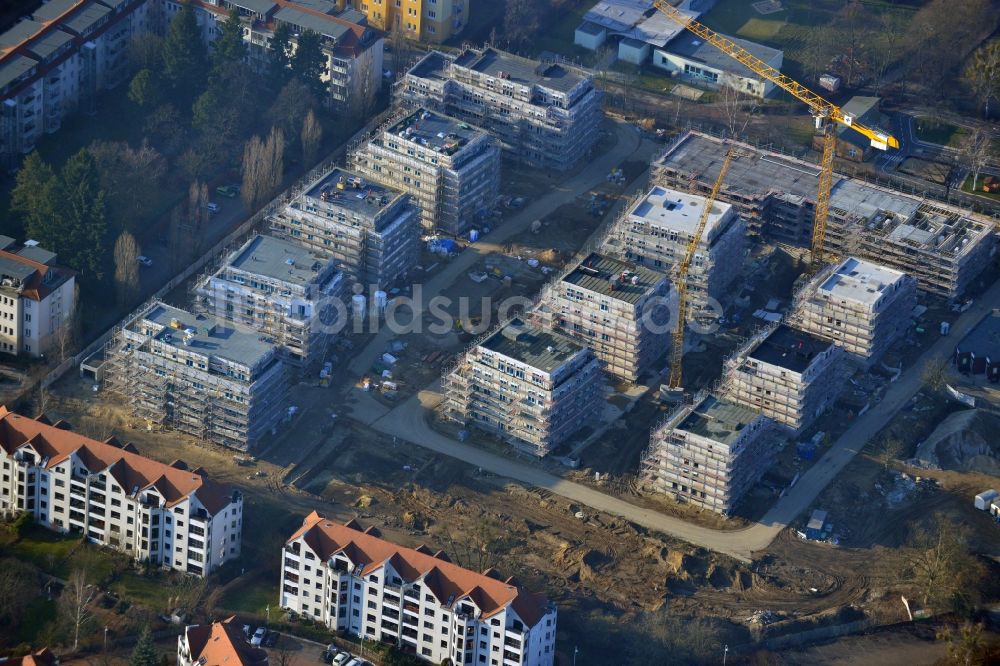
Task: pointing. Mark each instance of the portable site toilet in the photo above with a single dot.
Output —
(984, 499)
(816, 525)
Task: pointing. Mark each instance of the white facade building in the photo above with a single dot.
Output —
(352, 580)
(36, 299)
(167, 515)
(690, 57)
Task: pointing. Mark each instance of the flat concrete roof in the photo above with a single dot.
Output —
(14, 68)
(717, 419)
(308, 21)
(691, 47)
(279, 260)
(15, 269)
(678, 211)
(19, 32)
(598, 272)
(348, 190)
(442, 134)
(256, 6)
(984, 339)
(82, 21)
(535, 347)
(211, 337)
(49, 43)
(516, 69)
(39, 254)
(860, 281)
(589, 28)
(789, 348)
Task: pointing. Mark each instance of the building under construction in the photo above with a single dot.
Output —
(790, 376)
(617, 309)
(451, 169)
(211, 379)
(534, 388)
(709, 453)
(858, 305)
(545, 114)
(373, 231)
(942, 246)
(656, 232)
(280, 289)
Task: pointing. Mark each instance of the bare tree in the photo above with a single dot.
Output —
(888, 449)
(126, 268)
(65, 336)
(263, 166)
(885, 46)
(74, 602)
(275, 161)
(983, 75)
(935, 374)
(312, 137)
(965, 648)
(976, 153)
(940, 567)
(740, 107)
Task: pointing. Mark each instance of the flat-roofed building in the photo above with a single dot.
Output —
(279, 289)
(168, 515)
(943, 246)
(350, 579)
(709, 453)
(545, 114)
(532, 387)
(37, 299)
(451, 169)
(690, 57)
(790, 376)
(618, 309)
(858, 305)
(371, 230)
(657, 229)
(210, 378)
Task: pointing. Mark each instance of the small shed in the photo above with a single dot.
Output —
(816, 527)
(986, 497)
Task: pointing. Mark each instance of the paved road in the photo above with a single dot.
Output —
(628, 141)
(408, 421)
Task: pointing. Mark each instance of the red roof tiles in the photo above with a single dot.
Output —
(129, 469)
(222, 644)
(444, 579)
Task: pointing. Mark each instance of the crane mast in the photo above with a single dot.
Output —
(825, 112)
(677, 346)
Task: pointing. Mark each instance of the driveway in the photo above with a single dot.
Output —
(408, 422)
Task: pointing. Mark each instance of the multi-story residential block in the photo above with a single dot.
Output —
(709, 453)
(944, 247)
(532, 387)
(217, 644)
(37, 299)
(657, 229)
(858, 305)
(451, 169)
(545, 114)
(617, 309)
(354, 581)
(353, 50)
(372, 231)
(790, 376)
(432, 21)
(279, 288)
(54, 62)
(167, 515)
(207, 377)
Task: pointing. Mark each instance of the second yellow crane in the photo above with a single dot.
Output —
(826, 113)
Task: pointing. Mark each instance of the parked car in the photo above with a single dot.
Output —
(341, 658)
(258, 636)
(228, 191)
(144, 260)
(213, 208)
(271, 639)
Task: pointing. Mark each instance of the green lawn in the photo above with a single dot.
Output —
(151, 591)
(558, 36)
(937, 131)
(251, 595)
(967, 187)
(46, 550)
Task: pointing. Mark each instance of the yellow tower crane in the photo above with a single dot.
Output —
(677, 348)
(826, 114)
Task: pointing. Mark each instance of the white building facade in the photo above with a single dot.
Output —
(354, 581)
(167, 515)
(37, 299)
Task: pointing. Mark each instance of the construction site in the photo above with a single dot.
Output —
(618, 309)
(546, 115)
(942, 246)
(860, 306)
(211, 379)
(278, 289)
(370, 230)
(450, 168)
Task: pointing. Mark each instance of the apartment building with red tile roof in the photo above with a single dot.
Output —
(351, 579)
(36, 298)
(169, 515)
(218, 644)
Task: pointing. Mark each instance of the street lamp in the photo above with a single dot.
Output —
(575, 650)
(725, 654)
(105, 638)
(267, 611)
